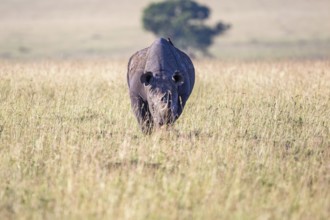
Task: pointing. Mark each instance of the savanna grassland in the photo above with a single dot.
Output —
(253, 143)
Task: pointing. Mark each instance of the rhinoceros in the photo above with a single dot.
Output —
(160, 80)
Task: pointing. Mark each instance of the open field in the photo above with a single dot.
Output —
(261, 29)
(252, 143)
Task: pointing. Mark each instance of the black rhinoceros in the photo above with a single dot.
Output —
(160, 80)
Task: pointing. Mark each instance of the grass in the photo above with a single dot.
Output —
(252, 143)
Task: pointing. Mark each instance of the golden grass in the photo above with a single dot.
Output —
(252, 143)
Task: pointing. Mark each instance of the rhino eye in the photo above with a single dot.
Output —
(177, 78)
(146, 78)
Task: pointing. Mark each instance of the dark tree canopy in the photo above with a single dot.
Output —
(183, 21)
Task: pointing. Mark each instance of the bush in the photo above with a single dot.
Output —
(183, 20)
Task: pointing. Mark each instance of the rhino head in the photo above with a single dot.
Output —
(163, 98)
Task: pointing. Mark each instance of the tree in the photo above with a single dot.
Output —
(183, 21)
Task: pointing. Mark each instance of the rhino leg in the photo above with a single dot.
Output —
(142, 113)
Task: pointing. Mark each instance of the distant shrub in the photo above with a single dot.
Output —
(184, 21)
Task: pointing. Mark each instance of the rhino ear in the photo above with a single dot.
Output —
(146, 78)
(178, 78)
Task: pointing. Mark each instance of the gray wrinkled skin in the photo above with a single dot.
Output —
(160, 80)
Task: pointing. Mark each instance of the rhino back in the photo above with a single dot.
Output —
(164, 58)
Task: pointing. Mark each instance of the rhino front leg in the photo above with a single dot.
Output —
(142, 113)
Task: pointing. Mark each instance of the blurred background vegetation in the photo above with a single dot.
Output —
(184, 21)
(62, 29)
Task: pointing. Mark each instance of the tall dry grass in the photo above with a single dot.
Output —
(253, 143)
